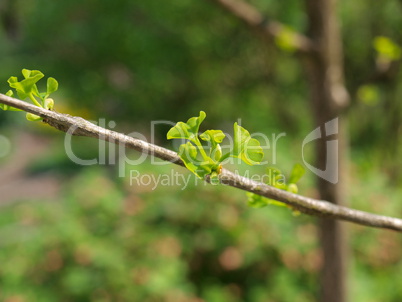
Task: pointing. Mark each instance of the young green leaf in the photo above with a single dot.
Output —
(32, 117)
(31, 73)
(187, 130)
(49, 104)
(26, 73)
(214, 179)
(34, 73)
(277, 180)
(52, 86)
(256, 201)
(215, 137)
(188, 153)
(297, 173)
(245, 147)
(292, 188)
(27, 89)
(13, 83)
(216, 153)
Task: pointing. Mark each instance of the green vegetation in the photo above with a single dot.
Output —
(105, 239)
(27, 89)
(98, 244)
(276, 179)
(244, 147)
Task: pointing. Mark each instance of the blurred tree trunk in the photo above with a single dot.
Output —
(321, 54)
(328, 98)
(392, 139)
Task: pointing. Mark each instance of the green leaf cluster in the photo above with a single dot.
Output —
(276, 179)
(386, 48)
(27, 88)
(202, 162)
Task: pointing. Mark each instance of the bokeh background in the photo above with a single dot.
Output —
(82, 233)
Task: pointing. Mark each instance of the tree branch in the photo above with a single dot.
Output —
(273, 29)
(81, 127)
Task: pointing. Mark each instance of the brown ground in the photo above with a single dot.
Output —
(15, 183)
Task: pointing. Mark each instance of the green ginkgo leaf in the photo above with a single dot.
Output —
(187, 130)
(297, 173)
(32, 117)
(31, 73)
(256, 201)
(245, 147)
(216, 153)
(26, 73)
(189, 153)
(275, 178)
(26, 86)
(27, 89)
(203, 163)
(13, 83)
(52, 86)
(49, 104)
(215, 137)
(292, 188)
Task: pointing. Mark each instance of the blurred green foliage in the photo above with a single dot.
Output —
(387, 48)
(104, 243)
(140, 61)
(98, 244)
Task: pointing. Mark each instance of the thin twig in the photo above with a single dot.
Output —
(81, 127)
(271, 28)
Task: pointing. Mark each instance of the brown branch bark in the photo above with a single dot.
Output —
(81, 127)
